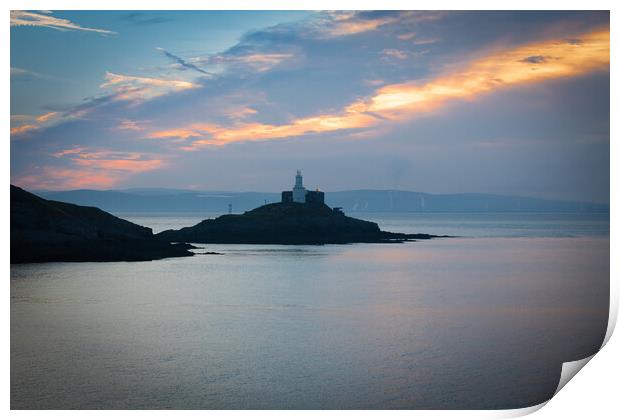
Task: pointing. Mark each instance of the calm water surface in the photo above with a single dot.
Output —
(481, 321)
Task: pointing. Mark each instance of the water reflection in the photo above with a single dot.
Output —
(458, 323)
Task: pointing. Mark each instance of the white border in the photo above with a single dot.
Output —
(593, 394)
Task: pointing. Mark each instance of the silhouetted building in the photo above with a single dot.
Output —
(287, 196)
(300, 195)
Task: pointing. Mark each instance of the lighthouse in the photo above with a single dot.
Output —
(299, 192)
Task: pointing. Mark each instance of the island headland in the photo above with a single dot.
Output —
(44, 231)
(301, 218)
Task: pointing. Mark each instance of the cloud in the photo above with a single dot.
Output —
(89, 168)
(426, 41)
(256, 61)
(21, 117)
(138, 18)
(374, 82)
(16, 71)
(346, 23)
(491, 72)
(406, 36)
(534, 59)
(133, 88)
(23, 129)
(61, 178)
(125, 162)
(24, 18)
(46, 117)
(182, 62)
(351, 23)
(131, 125)
(394, 53)
(34, 122)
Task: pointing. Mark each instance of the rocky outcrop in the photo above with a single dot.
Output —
(44, 230)
(286, 223)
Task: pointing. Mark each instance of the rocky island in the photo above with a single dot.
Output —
(286, 224)
(44, 230)
(301, 218)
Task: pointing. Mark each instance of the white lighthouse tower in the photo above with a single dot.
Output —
(299, 192)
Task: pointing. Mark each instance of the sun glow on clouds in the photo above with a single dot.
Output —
(133, 88)
(348, 23)
(60, 178)
(34, 122)
(492, 72)
(130, 162)
(93, 168)
(495, 71)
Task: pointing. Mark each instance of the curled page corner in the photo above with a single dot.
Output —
(520, 412)
(570, 369)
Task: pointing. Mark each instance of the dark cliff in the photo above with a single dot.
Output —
(286, 223)
(44, 230)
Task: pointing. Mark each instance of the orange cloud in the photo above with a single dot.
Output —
(23, 128)
(57, 178)
(215, 135)
(112, 160)
(349, 23)
(90, 168)
(35, 122)
(46, 117)
(532, 63)
(125, 165)
(181, 133)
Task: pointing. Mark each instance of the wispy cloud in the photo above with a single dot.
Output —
(44, 19)
(24, 128)
(16, 72)
(492, 72)
(406, 36)
(394, 53)
(426, 41)
(139, 18)
(34, 122)
(344, 23)
(255, 61)
(350, 23)
(134, 88)
(131, 125)
(46, 117)
(181, 62)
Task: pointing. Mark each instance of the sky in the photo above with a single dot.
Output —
(513, 103)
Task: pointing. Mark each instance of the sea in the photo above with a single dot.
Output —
(480, 320)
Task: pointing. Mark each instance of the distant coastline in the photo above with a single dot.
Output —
(159, 200)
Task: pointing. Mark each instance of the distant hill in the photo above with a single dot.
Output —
(171, 200)
(44, 230)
